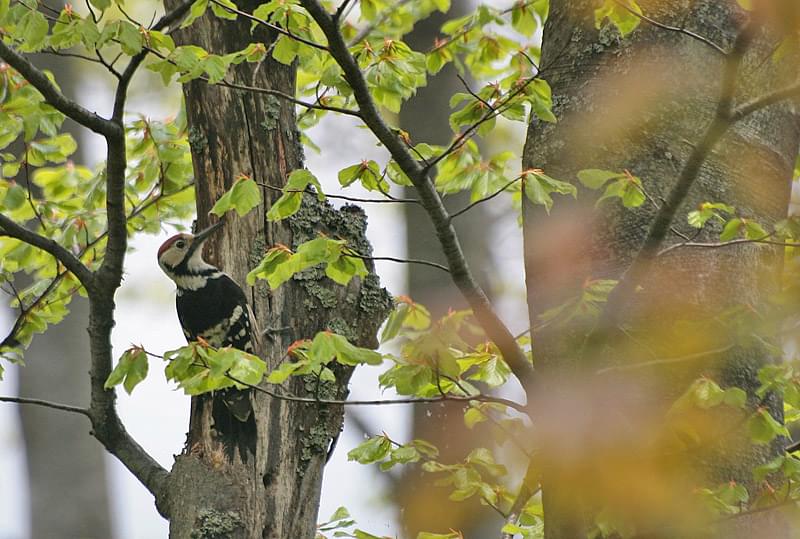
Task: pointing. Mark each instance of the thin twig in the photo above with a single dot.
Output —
(400, 260)
(678, 29)
(384, 402)
(490, 114)
(766, 100)
(667, 360)
(271, 26)
(310, 191)
(47, 404)
(717, 245)
(471, 205)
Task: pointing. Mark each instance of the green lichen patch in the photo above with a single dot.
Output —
(213, 524)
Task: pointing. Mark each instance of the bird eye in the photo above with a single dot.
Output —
(180, 244)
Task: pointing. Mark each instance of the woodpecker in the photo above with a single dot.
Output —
(210, 306)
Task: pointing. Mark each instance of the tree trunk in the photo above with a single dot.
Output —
(425, 118)
(270, 488)
(68, 487)
(641, 104)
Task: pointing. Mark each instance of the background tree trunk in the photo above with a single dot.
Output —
(641, 104)
(425, 117)
(274, 491)
(66, 468)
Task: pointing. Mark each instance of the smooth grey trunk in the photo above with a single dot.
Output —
(640, 104)
(425, 117)
(272, 492)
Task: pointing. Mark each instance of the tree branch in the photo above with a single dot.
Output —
(342, 197)
(764, 101)
(70, 261)
(717, 245)
(677, 29)
(47, 404)
(54, 97)
(271, 26)
(662, 222)
(400, 261)
(431, 201)
(384, 402)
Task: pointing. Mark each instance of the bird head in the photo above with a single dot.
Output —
(183, 253)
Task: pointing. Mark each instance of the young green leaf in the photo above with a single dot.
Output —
(130, 370)
(242, 197)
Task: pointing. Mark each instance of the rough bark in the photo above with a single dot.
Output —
(641, 104)
(274, 491)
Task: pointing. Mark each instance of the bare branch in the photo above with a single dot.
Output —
(47, 404)
(342, 197)
(677, 29)
(790, 92)
(401, 261)
(70, 261)
(429, 198)
(667, 360)
(54, 97)
(717, 245)
(663, 219)
(385, 402)
(471, 205)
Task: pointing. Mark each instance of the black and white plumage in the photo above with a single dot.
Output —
(210, 304)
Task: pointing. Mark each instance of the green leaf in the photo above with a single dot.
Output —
(197, 10)
(285, 50)
(538, 187)
(242, 197)
(763, 428)
(273, 267)
(429, 535)
(731, 229)
(473, 416)
(223, 13)
(247, 368)
(373, 450)
(753, 230)
(594, 178)
(367, 172)
(284, 371)
(707, 211)
(130, 370)
(101, 4)
(625, 21)
(32, 30)
(292, 197)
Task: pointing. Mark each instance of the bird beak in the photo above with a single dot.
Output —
(203, 235)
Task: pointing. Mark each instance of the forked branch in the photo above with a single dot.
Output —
(460, 272)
